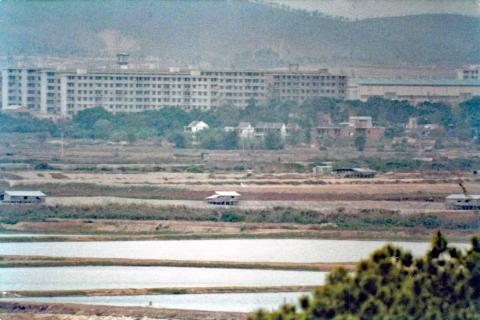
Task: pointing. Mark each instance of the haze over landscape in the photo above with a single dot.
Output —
(239, 159)
(236, 33)
(354, 9)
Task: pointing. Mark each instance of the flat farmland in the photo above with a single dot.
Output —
(155, 191)
(403, 193)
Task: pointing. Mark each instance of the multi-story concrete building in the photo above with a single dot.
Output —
(413, 90)
(468, 73)
(297, 85)
(128, 90)
(32, 88)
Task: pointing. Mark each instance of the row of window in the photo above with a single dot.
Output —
(168, 79)
(311, 91)
(307, 77)
(307, 84)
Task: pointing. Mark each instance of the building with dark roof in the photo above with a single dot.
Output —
(414, 90)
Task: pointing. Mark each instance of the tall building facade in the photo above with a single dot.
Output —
(295, 85)
(469, 73)
(31, 88)
(123, 90)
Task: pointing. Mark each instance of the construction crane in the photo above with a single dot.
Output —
(464, 190)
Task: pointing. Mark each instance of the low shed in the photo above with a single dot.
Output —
(463, 202)
(23, 197)
(356, 172)
(318, 170)
(226, 198)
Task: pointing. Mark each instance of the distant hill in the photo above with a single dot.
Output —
(226, 33)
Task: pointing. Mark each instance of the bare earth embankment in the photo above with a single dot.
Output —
(42, 261)
(32, 311)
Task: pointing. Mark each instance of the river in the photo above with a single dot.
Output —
(71, 278)
(245, 250)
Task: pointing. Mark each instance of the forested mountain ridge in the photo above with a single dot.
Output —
(230, 33)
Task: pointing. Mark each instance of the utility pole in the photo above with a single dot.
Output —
(62, 153)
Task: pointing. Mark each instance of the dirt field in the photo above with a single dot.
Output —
(406, 207)
(97, 174)
(40, 316)
(408, 193)
(44, 311)
(153, 152)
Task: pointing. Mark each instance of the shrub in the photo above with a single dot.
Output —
(392, 284)
(43, 166)
(232, 217)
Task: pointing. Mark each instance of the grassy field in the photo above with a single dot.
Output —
(341, 219)
(155, 291)
(146, 222)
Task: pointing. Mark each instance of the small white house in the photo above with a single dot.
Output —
(225, 198)
(263, 128)
(360, 122)
(196, 126)
(246, 130)
(23, 197)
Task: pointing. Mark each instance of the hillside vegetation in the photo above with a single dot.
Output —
(230, 33)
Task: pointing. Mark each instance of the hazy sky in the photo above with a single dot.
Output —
(361, 9)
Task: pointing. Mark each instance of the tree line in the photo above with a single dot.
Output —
(462, 121)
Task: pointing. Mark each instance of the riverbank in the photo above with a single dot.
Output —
(383, 227)
(43, 261)
(151, 291)
(30, 310)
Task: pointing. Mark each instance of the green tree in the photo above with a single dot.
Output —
(360, 142)
(179, 140)
(231, 140)
(392, 284)
(102, 129)
(273, 141)
(208, 139)
(86, 119)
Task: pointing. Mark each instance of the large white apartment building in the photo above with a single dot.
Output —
(125, 90)
(295, 85)
(32, 88)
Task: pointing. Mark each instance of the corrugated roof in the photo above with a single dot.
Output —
(360, 118)
(25, 193)
(461, 196)
(244, 125)
(227, 193)
(196, 123)
(419, 82)
(364, 170)
(269, 125)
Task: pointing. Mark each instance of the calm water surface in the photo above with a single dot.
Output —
(67, 278)
(36, 235)
(286, 250)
